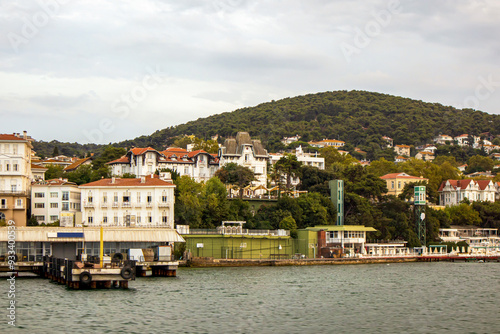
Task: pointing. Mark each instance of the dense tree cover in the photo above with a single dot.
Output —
(357, 117)
(234, 174)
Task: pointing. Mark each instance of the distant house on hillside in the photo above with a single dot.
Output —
(289, 140)
(443, 139)
(452, 192)
(425, 155)
(403, 150)
(327, 143)
(78, 163)
(390, 142)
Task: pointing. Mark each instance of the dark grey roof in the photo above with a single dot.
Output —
(235, 146)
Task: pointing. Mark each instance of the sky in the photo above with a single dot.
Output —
(98, 71)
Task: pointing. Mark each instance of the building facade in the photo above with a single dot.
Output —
(147, 201)
(15, 177)
(452, 192)
(199, 165)
(52, 198)
(246, 152)
(403, 150)
(397, 181)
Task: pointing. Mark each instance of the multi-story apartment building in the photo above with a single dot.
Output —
(452, 192)
(15, 177)
(52, 197)
(145, 201)
(246, 152)
(327, 143)
(198, 165)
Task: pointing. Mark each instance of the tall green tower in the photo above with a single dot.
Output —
(337, 197)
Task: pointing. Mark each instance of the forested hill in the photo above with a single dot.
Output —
(357, 117)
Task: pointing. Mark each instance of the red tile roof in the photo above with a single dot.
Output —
(401, 176)
(149, 182)
(10, 137)
(462, 184)
(77, 164)
(175, 149)
(55, 182)
(33, 166)
(139, 151)
(123, 160)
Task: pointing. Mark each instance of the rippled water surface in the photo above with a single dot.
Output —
(395, 298)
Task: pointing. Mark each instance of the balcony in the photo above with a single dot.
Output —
(4, 207)
(13, 193)
(88, 204)
(104, 205)
(116, 205)
(138, 205)
(19, 207)
(149, 204)
(163, 204)
(126, 205)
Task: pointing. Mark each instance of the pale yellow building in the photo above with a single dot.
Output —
(397, 181)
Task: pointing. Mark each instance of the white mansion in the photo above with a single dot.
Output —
(452, 192)
(199, 165)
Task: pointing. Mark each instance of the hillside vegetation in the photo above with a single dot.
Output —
(357, 117)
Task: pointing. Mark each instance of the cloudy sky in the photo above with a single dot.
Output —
(104, 71)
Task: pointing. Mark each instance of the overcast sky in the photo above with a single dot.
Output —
(105, 71)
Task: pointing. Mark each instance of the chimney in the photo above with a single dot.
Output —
(25, 134)
(113, 180)
(165, 176)
(143, 179)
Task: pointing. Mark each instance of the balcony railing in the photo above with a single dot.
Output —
(104, 205)
(16, 193)
(163, 204)
(243, 232)
(116, 205)
(4, 207)
(126, 205)
(138, 205)
(149, 204)
(88, 204)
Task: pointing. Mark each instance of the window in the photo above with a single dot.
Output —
(164, 218)
(15, 167)
(65, 206)
(53, 195)
(39, 205)
(138, 197)
(40, 218)
(53, 218)
(90, 199)
(399, 184)
(105, 219)
(105, 197)
(7, 166)
(164, 197)
(149, 198)
(126, 199)
(39, 195)
(150, 219)
(392, 184)
(90, 219)
(19, 203)
(65, 195)
(115, 197)
(116, 219)
(54, 205)
(138, 218)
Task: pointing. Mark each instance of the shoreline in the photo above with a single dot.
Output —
(211, 262)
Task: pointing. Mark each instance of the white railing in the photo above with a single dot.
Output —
(163, 204)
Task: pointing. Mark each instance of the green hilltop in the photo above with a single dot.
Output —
(359, 118)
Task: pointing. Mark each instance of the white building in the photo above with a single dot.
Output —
(246, 152)
(327, 143)
(52, 197)
(452, 192)
(199, 165)
(390, 142)
(463, 140)
(442, 139)
(15, 176)
(146, 201)
(289, 140)
(308, 159)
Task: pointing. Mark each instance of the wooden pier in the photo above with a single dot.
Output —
(87, 275)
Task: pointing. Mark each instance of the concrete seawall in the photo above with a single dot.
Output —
(210, 262)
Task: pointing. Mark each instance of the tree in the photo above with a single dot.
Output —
(55, 152)
(463, 214)
(288, 223)
(215, 203)
(479, 163)
(128, 176)
(237, 175)
(188, 207)
(209, 146)
(289, 166)
(32, 221)
(110, 153)
(54, 172)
